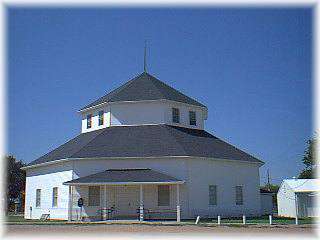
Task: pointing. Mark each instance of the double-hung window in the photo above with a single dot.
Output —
(54, 197)
(175, 115)
(212, 195)
(192, 118)
(239, 195)
(38, 197)
(89, 120)
(94, 195)
(163, 195)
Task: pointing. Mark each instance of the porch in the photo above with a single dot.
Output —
(115, 194)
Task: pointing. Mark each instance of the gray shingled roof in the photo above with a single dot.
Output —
(124, 176)
(144, 87)
(145, 141)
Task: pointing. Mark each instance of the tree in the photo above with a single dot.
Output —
(309, 160)
(16, 179)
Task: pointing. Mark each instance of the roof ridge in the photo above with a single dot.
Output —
(102, 131)
(175, 138)
(220, 140)
(172, 88)
(118, 89)
(238, 149)
(122, 87)
(150, 78)
(64, 144)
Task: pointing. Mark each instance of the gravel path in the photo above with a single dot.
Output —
(151, 229)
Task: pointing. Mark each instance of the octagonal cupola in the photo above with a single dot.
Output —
(143, 100)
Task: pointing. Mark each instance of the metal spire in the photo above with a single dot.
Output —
(145, 57)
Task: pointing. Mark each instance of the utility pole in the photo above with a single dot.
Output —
(268, 177)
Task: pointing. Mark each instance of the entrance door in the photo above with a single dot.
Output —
(126, 201)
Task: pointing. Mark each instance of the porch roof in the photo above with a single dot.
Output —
(125, 177)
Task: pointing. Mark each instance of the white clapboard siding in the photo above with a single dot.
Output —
(198, 174)
(46, 178)
(139, 113)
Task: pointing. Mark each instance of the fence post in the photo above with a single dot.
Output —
(219, 220)
(297, 209)
(141, 204)
(270, 219)
(244, 219)
(197, 220)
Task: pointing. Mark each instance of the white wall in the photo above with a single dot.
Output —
(225, 175)
(286, 201)
(95, 119)
(198, 173)
(137, 113)
(144, 112)
(46, 178)
(184, 115)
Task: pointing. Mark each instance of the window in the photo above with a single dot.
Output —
(163, 195)
(101, 117)
(89, 120)
(54, 197)
(192, 118)
(212, 195)
(239, 195)
(94, 196)
(38, 197)
(175, 115)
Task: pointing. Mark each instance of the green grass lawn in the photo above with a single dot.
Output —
(266, 221)
(261, 220)
(18, 219)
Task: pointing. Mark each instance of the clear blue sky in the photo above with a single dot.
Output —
(251, 67)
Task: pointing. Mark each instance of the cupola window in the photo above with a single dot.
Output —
(101, 117)
(192, 118)
(89, 120)
(175, 115)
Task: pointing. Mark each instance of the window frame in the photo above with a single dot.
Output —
(192, 122)
(55, 197)
(100, 118)
(213, 195)
(38, 197)
(94, 202)
(239, 201)
(166, 204)
(89, 121)
(175, 115)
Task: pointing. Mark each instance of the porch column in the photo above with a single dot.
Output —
(70, 204)
(141, 203)
(178, 203)
(104, 202)
(105, 196)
